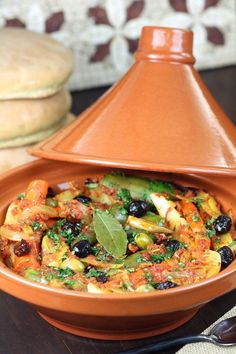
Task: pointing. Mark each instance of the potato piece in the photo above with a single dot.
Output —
(13, 213)
(73, 264)
(44, 211)
(209, 204)
(52, 254)
(166, 209)
(101, 264)
(206, 265)
(15, 233)
(67, 195)
(143, 224)
(212, 263)
(219, 241)
(94, 289)
(37, 191)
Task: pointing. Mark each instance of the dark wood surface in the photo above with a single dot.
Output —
(22, 331)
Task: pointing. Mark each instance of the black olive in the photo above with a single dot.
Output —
(83, 199)
(151, 207)
(88, 268)
(102, 278)
(173, 245)
(21, 248)
(227, 256)
(137, 208)
(222, 224)
(50, 193)
(82, 249)
(166, 285)
(71, 226)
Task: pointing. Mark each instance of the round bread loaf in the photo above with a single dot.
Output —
(13, 157)
(31, 64)
(16, 156)
(27, 121)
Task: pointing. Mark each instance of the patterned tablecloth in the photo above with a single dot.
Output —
(206, 348)
(103, 34)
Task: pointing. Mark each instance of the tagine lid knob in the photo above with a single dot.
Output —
(167, 44)
(159, 116)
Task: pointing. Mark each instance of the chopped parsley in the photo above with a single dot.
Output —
(141, 259)
(130, 270)
(149, 277)
(71, 284)
(36, 226)
(155, 257)
(158, 258)
(131, 234)
(65, 256)
(63, 273)
(95, 250)
(158, 186)
(210, 222)
(180, 245)
(95, 273)
(21, 196)
(125, 196)
(59, 273)
(103, 256)
(198, 201)
(53, 236)
(53, 232)
(210, 231)
(59, 223)
(195, 217)
(69, 236)
(125, 285)
(65, 229)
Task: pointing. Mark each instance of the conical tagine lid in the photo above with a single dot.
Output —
(159, 117)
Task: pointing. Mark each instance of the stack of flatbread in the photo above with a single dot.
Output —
(33, 102)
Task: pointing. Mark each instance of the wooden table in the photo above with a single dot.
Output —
(22, 331)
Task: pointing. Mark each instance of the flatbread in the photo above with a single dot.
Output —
(30, 117)
(23, 140)
(32, 64)
(13, 157)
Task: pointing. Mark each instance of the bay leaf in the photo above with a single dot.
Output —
(110, 234)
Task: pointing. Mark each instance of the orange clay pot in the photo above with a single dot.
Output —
(112, 316)
(158, 117)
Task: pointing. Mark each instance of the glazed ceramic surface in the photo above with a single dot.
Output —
(112, 316)
(158, 117)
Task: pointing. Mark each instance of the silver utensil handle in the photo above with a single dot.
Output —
(153, 348)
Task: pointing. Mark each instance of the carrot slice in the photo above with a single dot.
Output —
(28, 261)
(196, 224)
(192, 216)
(37, 191)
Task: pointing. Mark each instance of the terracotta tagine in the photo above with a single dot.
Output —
(158, 117)
(113, 316)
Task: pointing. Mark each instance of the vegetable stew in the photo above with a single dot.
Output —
(117, 234)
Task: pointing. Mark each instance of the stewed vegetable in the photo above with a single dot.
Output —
(117, 234)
